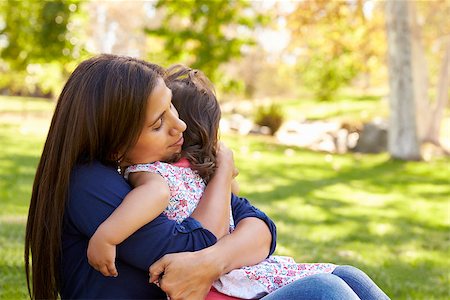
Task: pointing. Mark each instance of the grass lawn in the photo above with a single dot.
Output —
(389, 218)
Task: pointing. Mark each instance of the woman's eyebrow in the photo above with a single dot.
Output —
(162, 114)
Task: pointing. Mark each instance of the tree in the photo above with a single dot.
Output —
(335, 42)
(36, 31)
(403, 141)
(430, 113)
(36, 41)
(110, 29)
(204, 34)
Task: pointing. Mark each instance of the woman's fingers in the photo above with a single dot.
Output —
(202, 269)
(157, 269)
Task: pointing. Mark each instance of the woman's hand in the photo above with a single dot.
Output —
(186, 275)
(189, 275)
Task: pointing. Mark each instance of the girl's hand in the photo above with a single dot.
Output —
(225, 161)
(235, 172)
(101, 256)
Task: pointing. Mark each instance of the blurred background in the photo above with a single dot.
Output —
(337, 112)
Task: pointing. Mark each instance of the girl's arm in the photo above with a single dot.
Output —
(213, 211)
(235, 187)
(143, 204)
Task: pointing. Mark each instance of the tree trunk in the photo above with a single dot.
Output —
(429, 114)
(402, 136)
(420, 76)
(433, 133)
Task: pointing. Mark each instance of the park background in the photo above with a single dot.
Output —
(337, 112)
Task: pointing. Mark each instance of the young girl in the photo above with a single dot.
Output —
(193, 96)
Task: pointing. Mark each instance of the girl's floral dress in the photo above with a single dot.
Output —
(252, 282)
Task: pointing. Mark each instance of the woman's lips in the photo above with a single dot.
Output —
(178, 143)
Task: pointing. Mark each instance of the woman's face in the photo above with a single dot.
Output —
(162, 135)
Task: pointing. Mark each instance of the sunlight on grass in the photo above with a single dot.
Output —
(346, 107)
(389, 218)
(25, 105)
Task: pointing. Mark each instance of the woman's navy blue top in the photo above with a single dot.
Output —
(95, 191)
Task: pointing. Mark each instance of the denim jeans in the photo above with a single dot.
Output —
(345, 283)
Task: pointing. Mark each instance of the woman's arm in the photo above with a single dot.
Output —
(96, 190)
(143, 204)
(247, 245)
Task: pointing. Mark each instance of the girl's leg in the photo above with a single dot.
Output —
(360, 283)
(315, 287)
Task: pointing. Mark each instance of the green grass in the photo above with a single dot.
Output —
(23, 125)
(348, 107)
(389, 218)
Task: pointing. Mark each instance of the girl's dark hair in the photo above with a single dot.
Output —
(194, 97)
(99, 116)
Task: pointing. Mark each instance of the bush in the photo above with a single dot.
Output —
(271, 116)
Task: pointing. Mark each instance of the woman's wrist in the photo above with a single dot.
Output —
(215, 260)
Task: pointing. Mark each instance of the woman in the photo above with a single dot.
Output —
(112, 106)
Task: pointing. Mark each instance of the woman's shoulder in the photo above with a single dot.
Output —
(96, 174)
(94, 169)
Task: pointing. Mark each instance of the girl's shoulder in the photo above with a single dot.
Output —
(153, 167)
(159, 167)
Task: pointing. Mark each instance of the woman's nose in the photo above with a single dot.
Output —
(179, 126)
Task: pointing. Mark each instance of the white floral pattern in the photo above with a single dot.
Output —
(254, 282)
(185, 185)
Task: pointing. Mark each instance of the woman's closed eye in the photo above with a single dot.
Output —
(158, 124)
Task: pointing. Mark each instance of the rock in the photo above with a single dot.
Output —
(305, 134)
(372, 138)
(240, 124)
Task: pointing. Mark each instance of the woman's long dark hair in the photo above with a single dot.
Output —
(194, 97)
(99, 116)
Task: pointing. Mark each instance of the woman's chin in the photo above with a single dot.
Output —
(173, 158)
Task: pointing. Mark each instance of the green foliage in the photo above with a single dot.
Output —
(36, 31)
(37, 42)
(38, 80)
(271, 116)
(338, 41)
(204, 34)
(326, 74)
